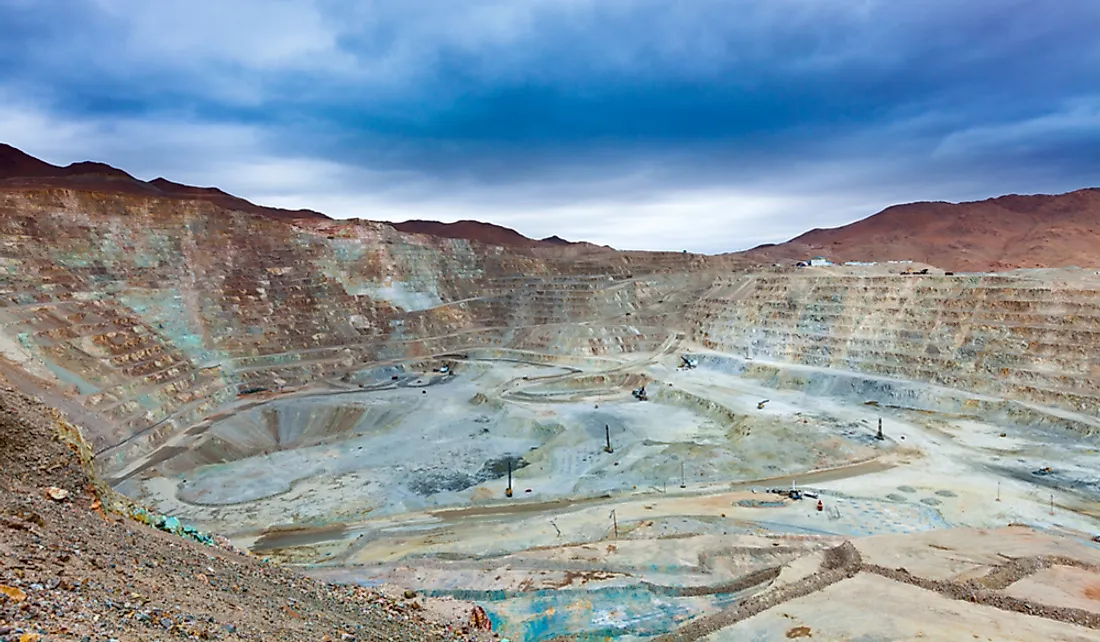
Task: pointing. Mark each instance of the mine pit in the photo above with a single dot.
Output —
(360, 477)
(581, 444)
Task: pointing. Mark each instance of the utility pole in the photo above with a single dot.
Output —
(607, 433)
(998, 490)
(1052, 504)
(615, 524)
(508, 491)
(683, 481)
(555, 527)
(880, 436)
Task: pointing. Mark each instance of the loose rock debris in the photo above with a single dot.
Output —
(70, 571)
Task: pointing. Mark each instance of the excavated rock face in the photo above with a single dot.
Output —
(1017, 337)
(141, 316)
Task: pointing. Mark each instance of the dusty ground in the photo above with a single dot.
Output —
(69, 571)
(901, 612)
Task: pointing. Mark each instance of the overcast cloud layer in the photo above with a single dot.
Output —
(705, 125)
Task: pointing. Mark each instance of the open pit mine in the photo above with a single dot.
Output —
(585, 443)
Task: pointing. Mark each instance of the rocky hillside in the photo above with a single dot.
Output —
(992, 235)
(19, 170)
(486, 233)
(70, 570)
(1026, 339)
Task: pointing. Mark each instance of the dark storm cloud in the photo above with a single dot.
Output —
(588, 118)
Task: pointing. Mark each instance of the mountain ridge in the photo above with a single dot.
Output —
(19, 169)
(998, 233)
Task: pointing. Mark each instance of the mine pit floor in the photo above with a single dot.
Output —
(402, 481)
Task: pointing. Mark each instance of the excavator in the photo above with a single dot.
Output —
(688, 363)
(640, 394)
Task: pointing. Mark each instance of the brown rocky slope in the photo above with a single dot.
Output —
(996, 234)
(71, 571)
(20, 170)
(487, 233)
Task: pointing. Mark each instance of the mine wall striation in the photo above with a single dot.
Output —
(152, 316)
(1027, 340)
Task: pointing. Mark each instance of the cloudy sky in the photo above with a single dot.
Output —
(703, 124)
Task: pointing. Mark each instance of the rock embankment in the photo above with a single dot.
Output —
(839, 563)
(69, 570)
(982, 591)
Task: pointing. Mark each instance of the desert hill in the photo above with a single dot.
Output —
(21, 170)
(487, 233)
(996, 234)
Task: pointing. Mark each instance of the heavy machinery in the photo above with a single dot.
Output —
(640, 394)
(688, 363)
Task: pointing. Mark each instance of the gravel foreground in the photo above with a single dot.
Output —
(71, 571)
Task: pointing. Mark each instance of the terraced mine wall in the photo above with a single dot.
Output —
(1026, 339)
(141, 317)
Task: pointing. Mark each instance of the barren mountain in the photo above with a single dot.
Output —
(995, 234)
(487, 233)
(21, 170)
